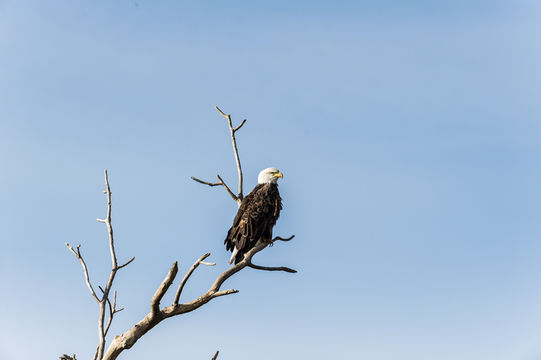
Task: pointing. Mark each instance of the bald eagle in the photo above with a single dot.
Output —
(256, 216)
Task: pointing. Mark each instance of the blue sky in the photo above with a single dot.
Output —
(408, 134)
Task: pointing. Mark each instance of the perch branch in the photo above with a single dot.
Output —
(130, 337)
(275, 268)
(156, 315)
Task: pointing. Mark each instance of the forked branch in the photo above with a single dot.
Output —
(232, 130)
(85, 270)
(157, 314)
(103, 301)
(220, 183)
(188, 274)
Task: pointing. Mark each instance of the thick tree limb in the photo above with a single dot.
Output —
(157, 315)
(164, 286)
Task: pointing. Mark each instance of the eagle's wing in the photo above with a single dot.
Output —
(255, 218)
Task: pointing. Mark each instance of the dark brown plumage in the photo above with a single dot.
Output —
(255, 219)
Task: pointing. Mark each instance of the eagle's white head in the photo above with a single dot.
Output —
(269, 176)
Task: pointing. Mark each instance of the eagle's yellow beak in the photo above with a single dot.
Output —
(278, 174)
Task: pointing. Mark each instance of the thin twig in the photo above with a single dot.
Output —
(232, 131)
(215, 355)
(112, 312)
(276, 238)
(270, 268)
(238, 127)
(224, 292)
(126, 264)
(238, 198)
(206, 182)
(108, 221)
(220, 183)
(274, 268)
(188, 274)
(85, 270)
(67, 357)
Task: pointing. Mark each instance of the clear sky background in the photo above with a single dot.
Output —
(409, 134)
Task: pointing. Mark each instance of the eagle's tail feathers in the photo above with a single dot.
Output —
(233, 254)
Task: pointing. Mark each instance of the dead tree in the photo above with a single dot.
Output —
(108, 306)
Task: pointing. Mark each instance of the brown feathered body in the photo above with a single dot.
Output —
(255, 219)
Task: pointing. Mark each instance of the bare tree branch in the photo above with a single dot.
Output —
(156, 315)
(104, 301)
(238, 127)
(270, 268)
(220, 183)
(108, 223)
(237, 198)
(112, 311)
(126, 264)
(130, 337)
(206, 182)
(283, 239)
(188, 274)
(224, 292)
(164, 286)
(67, 357)
(85, 270)
(232, 130)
